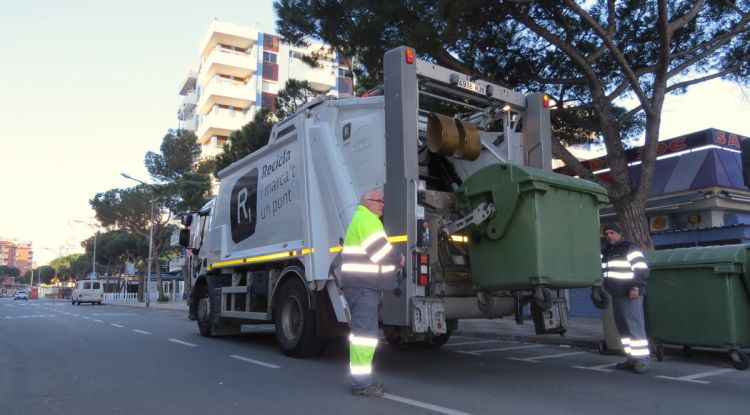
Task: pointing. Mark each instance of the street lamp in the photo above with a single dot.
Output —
(93, 257)
(150, 234)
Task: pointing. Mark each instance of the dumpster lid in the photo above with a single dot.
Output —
(699, 255)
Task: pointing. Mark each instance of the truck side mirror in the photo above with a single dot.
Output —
(184, 237)
(187, 220)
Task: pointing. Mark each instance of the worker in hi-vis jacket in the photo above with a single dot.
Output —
(369, 267)
(625, 274)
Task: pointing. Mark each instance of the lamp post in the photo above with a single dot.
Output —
(150, 235)
(93, 256)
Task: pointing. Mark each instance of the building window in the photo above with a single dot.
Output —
(268, 100)
(344, 85)
(270, 71)
(345, 72)
(344, 61)
(269, 57)
(295, 55)
(270, 42)
(221, 141)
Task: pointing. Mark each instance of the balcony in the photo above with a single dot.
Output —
(188, 125)
(320, 79)
(222, 122)
(187, 107)
(228, 62)
(227, 92)
(224, 33)
(188, 83)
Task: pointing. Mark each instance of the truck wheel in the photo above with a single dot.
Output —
(295, 320)
(204, 315)
(542, 298)
(439, 340)
(396, 340)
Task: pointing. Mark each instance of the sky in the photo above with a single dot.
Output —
(90, 86)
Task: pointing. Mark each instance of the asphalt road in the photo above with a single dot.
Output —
(62, 359)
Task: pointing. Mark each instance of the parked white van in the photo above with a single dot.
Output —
(87, 292)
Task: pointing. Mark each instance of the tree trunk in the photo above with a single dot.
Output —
(630, 214)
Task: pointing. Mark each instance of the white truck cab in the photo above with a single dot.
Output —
(87, 291)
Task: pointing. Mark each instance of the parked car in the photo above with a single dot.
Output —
(21, 295)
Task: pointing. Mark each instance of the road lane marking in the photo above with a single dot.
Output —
(183, 343)
(478, 352)
(692, 378)
(600, 368)
(474, 342)
(253, 361)
(87, 318)
(97, 320)
(141, 331)
(424, 405)
(536, 359)
(116, 325)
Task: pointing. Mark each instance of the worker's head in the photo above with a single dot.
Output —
(612, 233)
(373, 201)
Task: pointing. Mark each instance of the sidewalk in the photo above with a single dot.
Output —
(583, 332)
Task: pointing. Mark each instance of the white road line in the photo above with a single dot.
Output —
(478, 352)
(141, 331)
(424, 405)
(536, 359)
(475, 342)
(116, 325)
(97, 320)
(600, 368)
(87, 318)
(691, 378)
(253, 361)
(8, 317)
(183, 343)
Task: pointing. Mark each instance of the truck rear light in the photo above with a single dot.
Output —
(545, 101)
(423, 274)
(409, 55)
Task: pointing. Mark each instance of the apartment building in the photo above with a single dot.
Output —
(241, 70)
(17, 254)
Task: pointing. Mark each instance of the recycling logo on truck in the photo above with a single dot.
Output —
(244, 206)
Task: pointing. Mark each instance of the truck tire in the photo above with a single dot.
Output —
(439, 340)
(204, 315)
(295, 320)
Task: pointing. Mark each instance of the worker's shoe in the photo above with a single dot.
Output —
(626, 365)
(640, 367)
(375, 390)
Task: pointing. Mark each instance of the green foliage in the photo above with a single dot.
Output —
(9, 271)
(294, 94)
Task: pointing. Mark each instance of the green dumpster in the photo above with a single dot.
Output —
(544, 231)
(700, 297)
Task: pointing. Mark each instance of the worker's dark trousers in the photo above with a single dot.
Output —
(363, 306)
(631, 326)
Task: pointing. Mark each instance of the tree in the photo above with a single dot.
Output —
(594, 58)
(76, 265)
(294, 94)
(9, 271)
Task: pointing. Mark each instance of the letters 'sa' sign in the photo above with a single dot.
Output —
(244, 205)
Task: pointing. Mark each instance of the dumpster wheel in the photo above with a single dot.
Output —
(740, 361)
(603, 350)
(659, 349)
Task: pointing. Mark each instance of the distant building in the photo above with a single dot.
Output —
(17, 254)
(241, 70)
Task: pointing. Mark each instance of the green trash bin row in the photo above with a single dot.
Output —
(545, 229)
(700, 297)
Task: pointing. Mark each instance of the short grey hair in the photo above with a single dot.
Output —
(367, 193)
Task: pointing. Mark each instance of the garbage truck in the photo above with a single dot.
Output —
(487, 229)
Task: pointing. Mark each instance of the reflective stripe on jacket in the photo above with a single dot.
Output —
(624, 267)
(369, 260)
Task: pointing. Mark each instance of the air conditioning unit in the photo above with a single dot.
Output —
(659, 223)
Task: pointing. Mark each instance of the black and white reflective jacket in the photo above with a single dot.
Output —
(624, 267)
